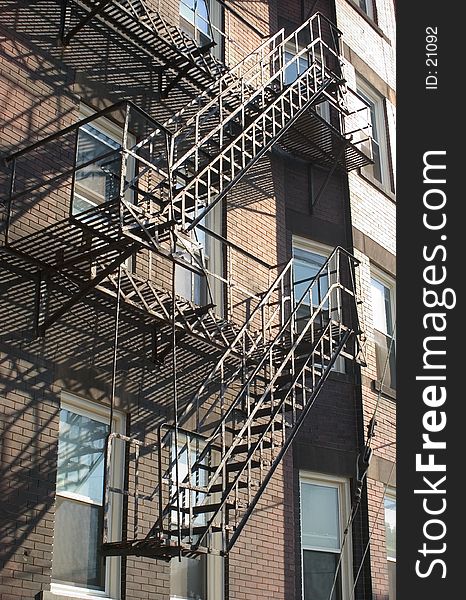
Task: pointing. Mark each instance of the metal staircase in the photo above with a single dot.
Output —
(258, 102)
(216, 460)
(216, 457)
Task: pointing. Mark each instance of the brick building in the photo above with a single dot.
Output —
(197, 285)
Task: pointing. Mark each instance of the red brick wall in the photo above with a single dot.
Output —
(40, 87)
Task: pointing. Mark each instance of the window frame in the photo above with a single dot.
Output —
(112, 566)
(390, 493)
(115, 133)
(212, 254)
(214, 21)
(390, 283)
(323, 250)
(378, 101)
(341, 484)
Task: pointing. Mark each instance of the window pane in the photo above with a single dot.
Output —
(318, 575)
(198, 478)
(376, 168)
(386, 371)
(296, 66)
(98, 181)
(320, 516)
(81, 444)
(306, 266)
(390, 526)
(189, 578)
(76, 544)
(381, 307)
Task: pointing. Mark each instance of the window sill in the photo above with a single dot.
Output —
(65, 595)
(372, 23)
(386, 192)
(386, 391)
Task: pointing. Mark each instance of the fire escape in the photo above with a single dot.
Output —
(214, 459)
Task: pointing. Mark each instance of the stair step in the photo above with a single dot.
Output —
(196, 530)
(203, 508)
(245, 448)
(218, 487)
(237, 466)
(267, 410)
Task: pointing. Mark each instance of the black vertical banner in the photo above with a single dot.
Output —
(430, 300)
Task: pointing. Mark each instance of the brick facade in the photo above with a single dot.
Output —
(41, 88)
(372, 56)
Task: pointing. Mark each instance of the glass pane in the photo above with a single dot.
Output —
(377, 166)
(390, 526)
(198, 478)
(76, 544)
(295, 66)
(320, 516)
(188, 578)
(98, 181)
(381, 307)
(391, 580)
(318, 575)
(81, 444)
(306, 266)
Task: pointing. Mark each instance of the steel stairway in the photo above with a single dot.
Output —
(217, 459)
(233, 433)
(217, 140)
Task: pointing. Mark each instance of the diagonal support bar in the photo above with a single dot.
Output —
(66, 38)
(84, 291)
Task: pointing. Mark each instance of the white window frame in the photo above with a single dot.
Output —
(390, 283)
(192, 22)
(390, 493)
(115, 133)
(372, 95)
(97, 412)
(212, 257)
(342, 486)
(301, 243)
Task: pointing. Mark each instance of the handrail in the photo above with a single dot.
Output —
(267, 58)
(228, 451)
(291, 316)
(101, 113)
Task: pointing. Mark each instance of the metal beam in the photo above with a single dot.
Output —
(84, 291)
(65, 40)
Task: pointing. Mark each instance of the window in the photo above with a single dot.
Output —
(383, 313)
(367, 6)
(324, 512)
(296, 66)
(308, 259)
(202, 250)
(379, 171)
(78, 566)
(97, 182)
(202, 20)
(390, 542)
(98, 165)
(193, 578)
